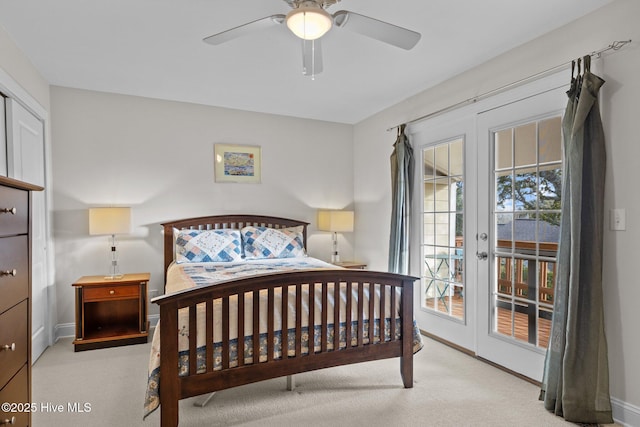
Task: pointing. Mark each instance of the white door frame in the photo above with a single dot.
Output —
(10, 88)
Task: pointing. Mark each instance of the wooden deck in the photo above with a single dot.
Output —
(518, 328)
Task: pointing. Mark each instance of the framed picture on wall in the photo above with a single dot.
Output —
(237, 163)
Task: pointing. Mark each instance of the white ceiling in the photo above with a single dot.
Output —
(154, 48)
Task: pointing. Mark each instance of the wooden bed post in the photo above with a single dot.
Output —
(168, 248)
(406, 361)
(169, 386)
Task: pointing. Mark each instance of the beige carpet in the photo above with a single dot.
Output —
(451, 389)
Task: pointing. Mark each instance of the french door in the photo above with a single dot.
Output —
(446, 297)
(489, 197)
(519, 182)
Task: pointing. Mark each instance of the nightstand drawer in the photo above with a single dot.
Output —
(14, 271)
(111, 292)
(14, 214)
(13, 341)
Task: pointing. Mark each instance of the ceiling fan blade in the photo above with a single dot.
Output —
(241, 30)
(379, 30)
(311, 57)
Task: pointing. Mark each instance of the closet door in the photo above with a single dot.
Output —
(25, 153)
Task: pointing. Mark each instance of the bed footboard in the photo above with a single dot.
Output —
(339, 317)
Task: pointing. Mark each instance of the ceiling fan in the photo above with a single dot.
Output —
(309, 21)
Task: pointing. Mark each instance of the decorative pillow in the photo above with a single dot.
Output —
(263, 242)
(208, 246)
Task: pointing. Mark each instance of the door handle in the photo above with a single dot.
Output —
(482, 256)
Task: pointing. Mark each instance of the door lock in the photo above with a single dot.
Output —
(482, 256)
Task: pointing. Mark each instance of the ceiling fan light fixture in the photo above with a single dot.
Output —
(309, 22)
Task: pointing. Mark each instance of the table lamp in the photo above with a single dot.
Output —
(110, 221)
(336, 222)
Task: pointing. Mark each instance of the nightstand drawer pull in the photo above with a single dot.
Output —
(8, 422)
(9, 272)
(111, 292)
(12, 211)
(8, 347)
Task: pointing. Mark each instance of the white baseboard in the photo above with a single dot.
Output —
(624, 413)
(64, 330)
(68, 330)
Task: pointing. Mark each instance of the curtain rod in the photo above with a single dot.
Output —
(616, 45)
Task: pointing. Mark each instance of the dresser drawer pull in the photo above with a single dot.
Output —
(8, 272)
(8, 422)
(8, 347)
(12, 211)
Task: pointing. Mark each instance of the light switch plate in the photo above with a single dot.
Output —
(618, 219)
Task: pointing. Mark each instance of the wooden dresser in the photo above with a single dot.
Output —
(15, 300)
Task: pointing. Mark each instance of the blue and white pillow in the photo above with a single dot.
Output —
(208, 246)
(264, 242)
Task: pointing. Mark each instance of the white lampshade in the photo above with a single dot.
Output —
(109, 221)
(309, 22)
(336, 221)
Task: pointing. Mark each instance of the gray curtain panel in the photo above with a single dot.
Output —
(576, 374)
(402, 187)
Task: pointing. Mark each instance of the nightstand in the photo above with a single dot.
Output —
(352, 265)
(111, 312)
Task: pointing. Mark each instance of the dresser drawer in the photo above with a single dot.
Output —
(103, 293)
(13, 334)
(17, 391)
(14, 258)
(13, 200)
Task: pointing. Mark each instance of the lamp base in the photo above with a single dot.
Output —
(335, 257)
(114, 276)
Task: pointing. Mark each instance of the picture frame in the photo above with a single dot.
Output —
(237, 163)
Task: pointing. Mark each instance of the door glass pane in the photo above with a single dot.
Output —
(504, 191)
(427, 156)
(442, 160)
(504, 149)
(550, 187)
(550, 135)
(526, 189)
(457, 159)
(443, 222)
(524, 143)
(526, 214)
(429, 196)
(429, 230)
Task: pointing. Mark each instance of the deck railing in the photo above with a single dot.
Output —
(514, 272)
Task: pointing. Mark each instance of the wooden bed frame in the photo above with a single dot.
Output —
(174, 387)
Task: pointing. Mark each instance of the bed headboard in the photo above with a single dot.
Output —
(224, 221)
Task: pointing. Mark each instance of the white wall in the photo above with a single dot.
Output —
(619, 102)
(157, 157)
(18, 66)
